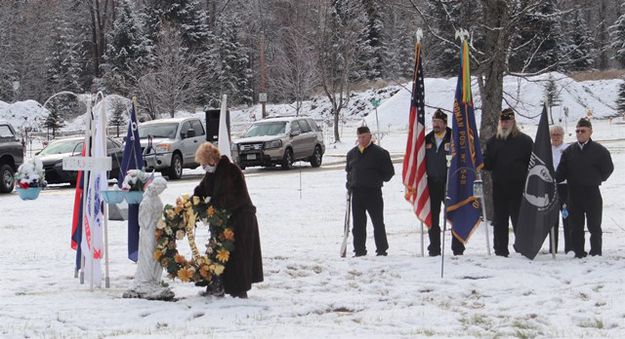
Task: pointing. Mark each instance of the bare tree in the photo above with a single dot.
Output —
(101, 13)
(175, 80)
(336, 47)
(294, 71)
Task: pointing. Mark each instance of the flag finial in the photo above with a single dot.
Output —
(419, 35)
(462, 34)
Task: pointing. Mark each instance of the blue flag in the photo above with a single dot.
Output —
(463, 209)
(132, 159)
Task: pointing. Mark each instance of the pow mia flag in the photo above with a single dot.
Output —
(539, 206)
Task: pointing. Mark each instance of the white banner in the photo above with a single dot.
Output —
(93, 223)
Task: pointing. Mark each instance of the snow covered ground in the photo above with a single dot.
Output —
(309, 291)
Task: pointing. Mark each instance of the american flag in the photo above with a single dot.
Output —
(414, 177)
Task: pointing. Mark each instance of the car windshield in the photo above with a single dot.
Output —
(158, 131)
(266, 128)
(63, 146)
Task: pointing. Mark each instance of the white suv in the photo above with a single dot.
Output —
(280, 141)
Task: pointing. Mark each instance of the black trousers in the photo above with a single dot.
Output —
(368, 200)
(585, 201)
(437, 194)
(507, 201)
(563, 193)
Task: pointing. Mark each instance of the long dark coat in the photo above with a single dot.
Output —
(228, 190)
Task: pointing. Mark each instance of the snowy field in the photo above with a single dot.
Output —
(309, 291)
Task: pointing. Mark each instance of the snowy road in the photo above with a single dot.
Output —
(309, 291)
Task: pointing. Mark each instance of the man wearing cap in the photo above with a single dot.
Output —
(368, 166)
(437, 147)
(507, 157)
(585, 164)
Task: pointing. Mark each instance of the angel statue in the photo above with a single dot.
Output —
(147, 281)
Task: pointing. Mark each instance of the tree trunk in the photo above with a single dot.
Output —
(336, 111)
(490, 81)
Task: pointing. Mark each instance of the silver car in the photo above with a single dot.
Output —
(280, 141)
(169, 145)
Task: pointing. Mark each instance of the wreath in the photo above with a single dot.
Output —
(180, 220)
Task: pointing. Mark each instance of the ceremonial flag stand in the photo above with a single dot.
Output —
(88, 164)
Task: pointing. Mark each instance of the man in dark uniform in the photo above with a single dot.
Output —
(507, 156)
(437, 147)
(585, 164)
(368, 165)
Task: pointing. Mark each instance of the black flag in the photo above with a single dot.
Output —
(539, 205)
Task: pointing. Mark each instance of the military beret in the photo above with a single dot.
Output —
(584, 122)
(363, 130)
(507, 114)
(439, 114)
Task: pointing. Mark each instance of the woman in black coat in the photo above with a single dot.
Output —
(225, 184)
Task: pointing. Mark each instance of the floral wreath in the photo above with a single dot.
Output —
(180, 220)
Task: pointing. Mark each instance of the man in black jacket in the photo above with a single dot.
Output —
(507, 156)
(368, 166)
(585, 164)
(437, 147)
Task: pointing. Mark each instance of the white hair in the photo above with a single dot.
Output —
(557, 129)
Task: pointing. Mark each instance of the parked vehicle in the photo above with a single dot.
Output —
(52, 158)
(169, 145)
(11, 157)
(280, 141)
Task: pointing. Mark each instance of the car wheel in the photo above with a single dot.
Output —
(175, 170)
(287, 159)
(8, 179)
(315, 160)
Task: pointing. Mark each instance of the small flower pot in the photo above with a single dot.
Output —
(113, 196)
(30, 193)
(134, 197)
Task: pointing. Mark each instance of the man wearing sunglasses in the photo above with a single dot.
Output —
(585, 164)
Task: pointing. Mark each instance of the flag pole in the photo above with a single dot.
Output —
(448, 158)
(553, 242)
(418, 37)
(105, 209)
(422, 241)
(85, 189)
(478, 191)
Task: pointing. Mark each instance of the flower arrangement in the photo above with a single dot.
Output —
(179, 221)
(31, 174)
(136, 180)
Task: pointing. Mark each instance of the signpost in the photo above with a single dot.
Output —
(376, 103)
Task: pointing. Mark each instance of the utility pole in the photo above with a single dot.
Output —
(262, 95)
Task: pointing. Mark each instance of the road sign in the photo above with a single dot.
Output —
(262, 97)
(87, 164)
(375, 102)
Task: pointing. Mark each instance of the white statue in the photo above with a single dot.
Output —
(147, 282)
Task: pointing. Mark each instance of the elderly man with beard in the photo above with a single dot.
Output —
(507, 157)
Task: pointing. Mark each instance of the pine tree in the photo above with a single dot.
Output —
(373, 61)
(541, 38)
(447, 17)
(620, 100)
(53, 122)
(617, 35)
(552, 95)
(63, 70)
(118, 118)
(128, 49)
(580, 45)
(233, 72)
(186, 15)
